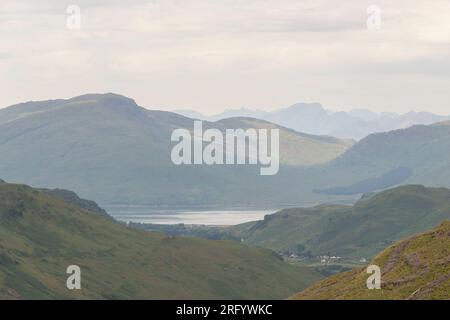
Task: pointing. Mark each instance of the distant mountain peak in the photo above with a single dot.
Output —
(307, 106)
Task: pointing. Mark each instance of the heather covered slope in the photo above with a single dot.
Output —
(41, 235)
(415, 268)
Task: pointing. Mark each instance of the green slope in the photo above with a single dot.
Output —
(41, 235)
(415, 268)
(355, 231)
(107, 148)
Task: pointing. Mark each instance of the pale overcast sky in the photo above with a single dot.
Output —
(209, 55)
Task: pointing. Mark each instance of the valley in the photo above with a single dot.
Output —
(333, 238)
(231, 157)
(200, 232)
(40, 235)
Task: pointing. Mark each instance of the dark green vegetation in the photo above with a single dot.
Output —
(358, 231)
(41, 235)
(415, 268)
(107, 148)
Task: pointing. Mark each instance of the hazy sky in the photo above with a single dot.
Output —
(209, 55)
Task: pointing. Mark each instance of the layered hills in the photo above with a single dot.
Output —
(42, 234)
(359, 231)
(107, 148)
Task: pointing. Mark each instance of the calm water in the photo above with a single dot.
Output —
(200, 217)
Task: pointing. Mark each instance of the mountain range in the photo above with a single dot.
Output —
(107, 148)
(313, 118)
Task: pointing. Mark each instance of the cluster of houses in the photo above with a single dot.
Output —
(329, 259)
(325, 259)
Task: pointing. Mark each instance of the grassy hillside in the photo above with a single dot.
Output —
(41, 235)
(415, 268)
(107, 148)
(356, 231)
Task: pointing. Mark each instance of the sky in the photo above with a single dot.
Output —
(210, 55)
